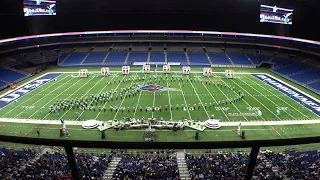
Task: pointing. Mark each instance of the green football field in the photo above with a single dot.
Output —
(191, 97)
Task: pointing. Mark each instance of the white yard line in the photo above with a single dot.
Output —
(169, 101)
(278, 97)
(255, 99)
(265, 97)
(154, 99)
(86, 94)
(216, 100)
(33, 104)
(199, 98)
(31, 96)
(123, 98)
(138, 102)
(247, 123)
(242, 99)
(10, 91)
(263, 106)
(106, 101)
(72, 95)
(58, 96)
(185, 101)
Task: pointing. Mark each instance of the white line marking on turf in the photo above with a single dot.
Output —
(107, 101)
(199, 98)
(169, 101)
(185, 101)
(278, 97)
(138, 102)
(216, 100)
(262, 105)
(154, 99)
(33, 104)
(31, 96)
(246, 123)
(242, 99)
(67, 97)
(266, 98)
(86, 94)
(124, 97)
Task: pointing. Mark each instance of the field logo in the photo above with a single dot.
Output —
(153, 88)
(10, 97)
(310, 102)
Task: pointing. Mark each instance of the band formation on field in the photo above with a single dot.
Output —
(157, 99)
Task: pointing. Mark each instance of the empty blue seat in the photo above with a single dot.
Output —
(219, 58)
(9, 75)
(315, 85)
(138, 57)
(239, 58)
(198, 58)
(307, 76)
(176, 56)
(259, 58)
(2, 83)
(157, 56)
(95, 58)
(75, 58)
(116, 57)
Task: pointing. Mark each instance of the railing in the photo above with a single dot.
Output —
(69, 144)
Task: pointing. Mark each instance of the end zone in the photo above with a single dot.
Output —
(310, 102)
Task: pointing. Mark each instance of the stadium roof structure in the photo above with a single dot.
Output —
(34, 41)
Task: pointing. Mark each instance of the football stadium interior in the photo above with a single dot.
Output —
(232, 98)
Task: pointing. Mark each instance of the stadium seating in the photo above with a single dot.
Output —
(279, 62)
(3, 84)
(75, 58)
(12, 160)
(307, 76)
(315, 85)
(157, 56)
(219, 58)
(239, 58)
(137, 57)
(95, 58)
(55, 166)
(270, 165)
(116, 58)
(10, 75)
(258, 59)
(176, 56)
(147, 167)
(198, 58)
(292, 68)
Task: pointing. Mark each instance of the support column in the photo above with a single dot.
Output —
(252, 162)
(72, 162)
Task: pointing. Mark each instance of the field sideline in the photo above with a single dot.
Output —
(191, 92)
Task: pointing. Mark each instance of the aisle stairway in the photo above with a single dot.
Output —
(182, 166)
(112, 166)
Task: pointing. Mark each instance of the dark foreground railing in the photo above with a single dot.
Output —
(69, 144)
